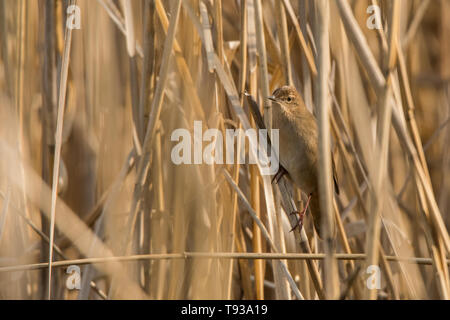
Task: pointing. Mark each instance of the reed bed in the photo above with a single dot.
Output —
(87, 122)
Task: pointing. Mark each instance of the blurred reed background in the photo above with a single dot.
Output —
(86, 117)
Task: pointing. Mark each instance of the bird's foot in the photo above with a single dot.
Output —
(299, 222)
(280, 173)
(301, 214)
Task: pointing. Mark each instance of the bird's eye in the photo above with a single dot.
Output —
(289, 99)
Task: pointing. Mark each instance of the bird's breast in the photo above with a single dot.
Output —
(298, 151)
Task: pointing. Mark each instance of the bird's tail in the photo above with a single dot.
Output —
(314, 206)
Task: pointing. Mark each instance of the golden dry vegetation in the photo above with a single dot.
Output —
(87, 179)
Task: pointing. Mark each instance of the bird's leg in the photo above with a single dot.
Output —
(280, 173)
(301, 215)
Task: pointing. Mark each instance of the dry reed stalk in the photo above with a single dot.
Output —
(219, 28)
(283, 38)
(360, 43)
(234, 218)
(301, 39)
(283, 289)
(257, 245)
(48, 123)
(259, 266)
(58, 143)
(143, 111)
(187, 80)
(158, 183)
(19, 89)
(266, 235)
(267, 105)
(4, 211)
(236, 221)
(414, 25)
(214, 255)
(116, 17)
(244, 267)
(149, 58)
(242, 80)
(346, 246)
(277, 74)
(324, 163)
(383, 126)
(137, 112)
(262, 65)
(4, 50)
(272, 46)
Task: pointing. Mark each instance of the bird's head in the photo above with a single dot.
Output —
(287, 97)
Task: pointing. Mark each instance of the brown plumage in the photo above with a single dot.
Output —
(299, 145)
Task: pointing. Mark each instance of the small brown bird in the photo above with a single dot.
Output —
(298, 147)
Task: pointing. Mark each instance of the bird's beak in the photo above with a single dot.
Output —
(272, 98)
